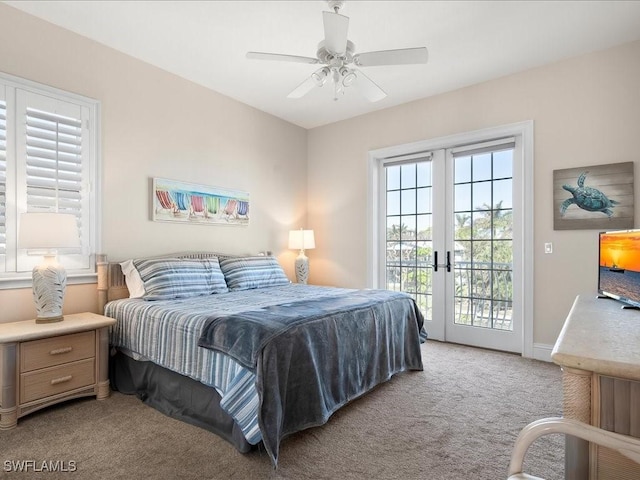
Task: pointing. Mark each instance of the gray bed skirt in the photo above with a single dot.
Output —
(176, 396)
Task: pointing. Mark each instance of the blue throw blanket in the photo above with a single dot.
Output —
(312, 357)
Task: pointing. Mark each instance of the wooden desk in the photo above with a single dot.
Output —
(599, 352)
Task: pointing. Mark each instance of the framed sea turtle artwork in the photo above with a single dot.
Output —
(598, 197)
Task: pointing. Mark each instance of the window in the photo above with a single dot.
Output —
(48, 163)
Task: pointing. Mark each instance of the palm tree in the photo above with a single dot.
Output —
(397, 232)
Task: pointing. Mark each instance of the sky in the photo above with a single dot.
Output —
(622, 249)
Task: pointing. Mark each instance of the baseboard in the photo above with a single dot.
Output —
(542, 352)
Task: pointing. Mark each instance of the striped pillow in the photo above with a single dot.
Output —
(167, 278)
(252, 272)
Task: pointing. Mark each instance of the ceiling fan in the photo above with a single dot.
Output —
(336, 54)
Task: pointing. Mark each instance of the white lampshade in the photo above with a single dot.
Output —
(48, 231)
(301, 240)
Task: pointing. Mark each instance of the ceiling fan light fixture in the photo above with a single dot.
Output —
(320, 76)
(348, 76)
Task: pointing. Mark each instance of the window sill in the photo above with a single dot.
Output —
(24, 280)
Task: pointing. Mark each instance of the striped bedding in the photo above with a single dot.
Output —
(167, 332)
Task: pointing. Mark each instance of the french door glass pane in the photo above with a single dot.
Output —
(462, 170)
(408, 176)
(393, 203)
(393, 178)
(408, 227)
(408, 201)
(424, 174)
(408, 232)
(481, 197)
(424, 227)
(502, 195)
(423, 200)
(503, 164)
(462, 197)
(483, 238)
(481, 167)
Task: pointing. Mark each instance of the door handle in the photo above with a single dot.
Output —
(435, 263)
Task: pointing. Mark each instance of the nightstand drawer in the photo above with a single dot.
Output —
(54, 380)
(56, 350)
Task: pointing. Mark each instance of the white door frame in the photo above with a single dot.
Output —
(523, 205)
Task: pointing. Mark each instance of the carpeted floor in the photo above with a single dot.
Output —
(456, 419)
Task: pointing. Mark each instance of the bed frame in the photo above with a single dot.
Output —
(169, 392)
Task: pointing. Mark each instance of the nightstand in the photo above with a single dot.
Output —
(47, 363)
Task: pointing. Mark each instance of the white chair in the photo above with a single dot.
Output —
(626, 445)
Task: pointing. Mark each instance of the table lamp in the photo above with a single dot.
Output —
(46, 233)
(301, 240)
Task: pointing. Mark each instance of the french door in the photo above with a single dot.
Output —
(448, 240)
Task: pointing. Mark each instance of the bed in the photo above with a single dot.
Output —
(229, 344)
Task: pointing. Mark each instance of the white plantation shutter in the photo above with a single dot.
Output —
(52, 142)
(48, 163)
(3, 180)
(53, 163)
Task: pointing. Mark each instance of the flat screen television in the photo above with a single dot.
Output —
(619, 272)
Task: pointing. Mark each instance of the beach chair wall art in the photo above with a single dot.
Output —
(175, 201)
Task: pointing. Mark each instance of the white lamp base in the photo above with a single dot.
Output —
(49, 283)
(302, 268)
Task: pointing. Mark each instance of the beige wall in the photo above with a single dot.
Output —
(586, 111)
(155, 124)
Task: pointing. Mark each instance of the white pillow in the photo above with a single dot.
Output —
(133, 280)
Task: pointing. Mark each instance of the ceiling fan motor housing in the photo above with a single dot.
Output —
(332, 59)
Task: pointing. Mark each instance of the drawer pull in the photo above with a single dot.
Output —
(55, 381)
(58, 351)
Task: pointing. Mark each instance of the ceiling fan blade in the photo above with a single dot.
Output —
(280, 57)
(403, 56)
(335, 32)
(368, 87)
(304, 88)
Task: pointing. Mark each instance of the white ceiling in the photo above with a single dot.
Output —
(468, 42)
